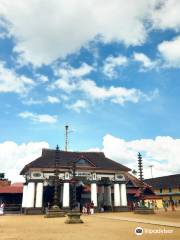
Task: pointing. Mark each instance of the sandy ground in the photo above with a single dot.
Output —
(94, 228)
(160, 215)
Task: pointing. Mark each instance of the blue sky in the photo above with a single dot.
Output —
(108, 70)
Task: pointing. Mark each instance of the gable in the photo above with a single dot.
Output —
(83, 162)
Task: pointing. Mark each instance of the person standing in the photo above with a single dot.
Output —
(2, 208)
(92, 208)
(172, 205)
(164, 205)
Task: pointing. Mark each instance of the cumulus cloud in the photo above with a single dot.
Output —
(42, 118)
(10, 81)
(66, 71)
(75, 80)
(68, 76)
(166, 15)
(118, 95)
(63, 27)
(145, 61)
(15, 156)
(111, 64)
(52, 99)
(31, 101)
(78, 105)
(170, 51)
(162, 152)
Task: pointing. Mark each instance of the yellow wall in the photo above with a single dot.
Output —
(166, 190)
(173, 194)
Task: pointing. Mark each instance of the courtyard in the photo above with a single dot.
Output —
(107, 226)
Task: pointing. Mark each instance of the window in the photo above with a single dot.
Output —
(82, 162)
(170, 189)
(37, 175)
(160, 190)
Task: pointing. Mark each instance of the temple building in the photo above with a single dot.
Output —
(100, 180)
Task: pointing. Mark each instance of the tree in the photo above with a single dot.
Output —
(2, 175)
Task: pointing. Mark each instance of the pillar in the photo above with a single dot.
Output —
(109, 200)
(66, 194)
(24, 197)
(39, 195)
(94, 193)
(123, 195)
(101, 196)
(30, 195)
(117, 196)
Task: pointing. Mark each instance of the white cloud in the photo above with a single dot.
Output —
(65, 85)
(145, 61)
(52, 99)
(42, 118)
(15, 156)
(41, 78)
(162, 152)
(118, 95)
(167, 16)
(65, 71)
(73, 80)
(111, 64)
(170, 51)
(10, 81)
(32, 101)
(78, 105)
(63, 27)
(68, 76)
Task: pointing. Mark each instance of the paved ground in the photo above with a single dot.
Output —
(96, 227)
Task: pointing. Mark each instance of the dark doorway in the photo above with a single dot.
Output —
(48, 195)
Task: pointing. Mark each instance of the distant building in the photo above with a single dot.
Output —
(168, 187)
(11, 195)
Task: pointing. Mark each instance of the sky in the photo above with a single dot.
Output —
(108, 69)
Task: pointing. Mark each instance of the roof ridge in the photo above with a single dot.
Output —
(47, 149)
(172, 175)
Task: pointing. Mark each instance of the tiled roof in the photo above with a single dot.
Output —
(11, 189)
(165, 181)
(134, 180)
(97, 160)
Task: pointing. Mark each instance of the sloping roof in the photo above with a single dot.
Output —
(17, 184)
(165, 181)
(66, 159)
(135, 181)
(11, 189)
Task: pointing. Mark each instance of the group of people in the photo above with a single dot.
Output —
(152, 204)
(88, 208)
(171, 203)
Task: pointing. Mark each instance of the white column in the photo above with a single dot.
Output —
(39, 194)
(24, 197)
(30, 195)
(66, 195)
(123, 195)
(94, 193)
(117, 196)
